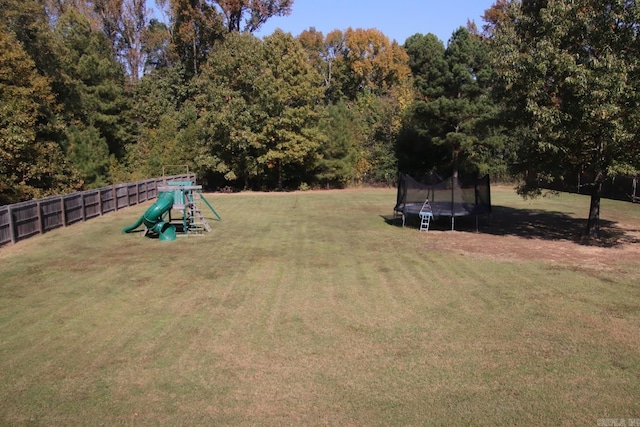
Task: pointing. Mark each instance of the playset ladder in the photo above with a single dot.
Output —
(198, 218)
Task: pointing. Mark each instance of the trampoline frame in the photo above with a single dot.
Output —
(449, 197)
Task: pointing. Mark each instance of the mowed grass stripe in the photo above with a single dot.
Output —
(308, 308)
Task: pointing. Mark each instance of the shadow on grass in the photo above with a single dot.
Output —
(530, 224)
(551, 225)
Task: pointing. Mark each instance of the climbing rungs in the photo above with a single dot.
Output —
(425, 219)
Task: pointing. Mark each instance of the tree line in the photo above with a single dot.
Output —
(104, 91)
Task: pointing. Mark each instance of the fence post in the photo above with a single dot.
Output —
(114, 194)
(12, 225)
(40, 219)
(64, 211)
(84, 209)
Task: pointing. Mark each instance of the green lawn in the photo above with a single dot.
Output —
(311, 309)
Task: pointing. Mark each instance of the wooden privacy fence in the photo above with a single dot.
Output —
(23, 220)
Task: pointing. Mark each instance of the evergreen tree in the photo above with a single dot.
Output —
(428, 65)
(339, 153)
(88, 151)
(93, 93)
(453, 116)
(97, 95)
(415, 151)
(163, 116)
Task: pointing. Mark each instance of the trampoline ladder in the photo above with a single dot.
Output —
(426, 213)
(425, 219)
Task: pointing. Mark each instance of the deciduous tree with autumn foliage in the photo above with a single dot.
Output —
(249, 15)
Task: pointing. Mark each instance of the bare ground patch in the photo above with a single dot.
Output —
(549, 237)
(515, 248)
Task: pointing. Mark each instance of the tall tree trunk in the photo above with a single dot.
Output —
(593, 224)
(456, 163)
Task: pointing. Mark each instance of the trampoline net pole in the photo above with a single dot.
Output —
(454, 182)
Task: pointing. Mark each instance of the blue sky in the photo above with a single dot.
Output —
(397, 19)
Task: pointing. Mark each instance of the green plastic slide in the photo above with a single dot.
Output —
(152, 218)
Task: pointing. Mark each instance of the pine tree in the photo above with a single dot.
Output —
(451, 122)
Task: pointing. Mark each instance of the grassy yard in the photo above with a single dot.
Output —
(312, 309)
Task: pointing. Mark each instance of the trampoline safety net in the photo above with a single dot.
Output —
(451, 197)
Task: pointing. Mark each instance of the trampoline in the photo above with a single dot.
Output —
(451, 197)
